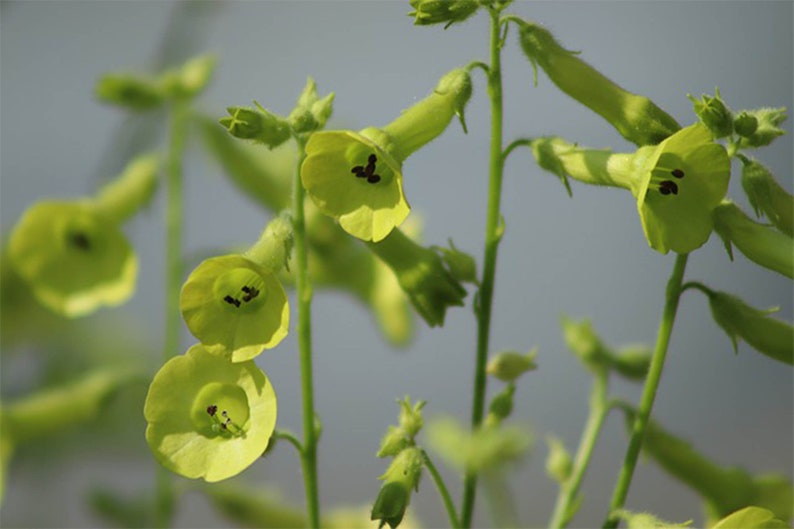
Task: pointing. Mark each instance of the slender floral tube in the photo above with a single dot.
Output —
(636, 117)
(124, 196)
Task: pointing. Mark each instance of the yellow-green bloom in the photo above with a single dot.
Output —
(74, 258)
(356, 177)
(207, 417)
(350, 177)
(400, 479)
(235, 307)
(677, 183)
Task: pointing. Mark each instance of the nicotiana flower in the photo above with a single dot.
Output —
(235, 306)
(356, 177)
(73, 254)
(207, 417)
(677, 183)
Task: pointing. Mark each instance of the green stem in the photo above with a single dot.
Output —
(454, 523)
(304, 329)
(599, 408)
(289, 437)
(492, 237)
(673, 294)
(173, 281)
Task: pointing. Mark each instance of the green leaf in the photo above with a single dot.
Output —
(751, 518)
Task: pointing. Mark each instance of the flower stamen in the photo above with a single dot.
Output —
(659, 176)
(250, 293)
(80, 241)
(226, 424)
(367, 172)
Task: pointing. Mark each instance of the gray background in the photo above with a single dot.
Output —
(586, 257)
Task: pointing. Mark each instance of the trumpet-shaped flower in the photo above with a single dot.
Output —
(207, 417)
(680, 182)
(677, 183)
(352, 178)
(235, 306)
(74, 257)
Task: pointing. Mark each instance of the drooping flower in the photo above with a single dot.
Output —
(356, 177)
(677, 183)
(235, 307)
(207, 417)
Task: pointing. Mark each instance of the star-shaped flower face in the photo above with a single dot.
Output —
(73, 257)
(235, 307)
(207, 417)
(680, 182)
(354, 180)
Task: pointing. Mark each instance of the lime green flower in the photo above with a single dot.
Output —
(682, 180)
(352, 178)
(207, 417)
(235, 306)
(73, 255)
(74, 258)
(356, 178)
(677, 183)
(400, 479)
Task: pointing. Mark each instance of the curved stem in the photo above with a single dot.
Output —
(304, 329)
(173, 280)
(521, 142)
(492, 237)
(599, 408)
(291, 438)
(442, 489)
(673, 294)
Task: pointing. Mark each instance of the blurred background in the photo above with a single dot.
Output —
(585, 256)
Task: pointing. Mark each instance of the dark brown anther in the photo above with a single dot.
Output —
(250, 293)
(667, 187)
(80, 240)
(232, 301)
(367, 172)
(373, 178)
(212, 409)
(371, 160)
(678, 173)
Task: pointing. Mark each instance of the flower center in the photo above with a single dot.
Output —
(79, 240)
(220, 409)
(240, 288)
(660, 178)
(367, 171)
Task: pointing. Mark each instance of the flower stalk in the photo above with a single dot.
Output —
(492, 238)
(673, 295)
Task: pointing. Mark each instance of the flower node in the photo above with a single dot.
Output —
(367, 172)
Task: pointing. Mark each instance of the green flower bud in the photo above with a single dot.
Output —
(256, 124)
(767, 130)
(73, 257)
(507, 366)
(125, 195)
(207, 417)
(635, 117)
(502, 404)
(632, 361)
(745, 124)
(191, 78)
(393, 442)
(236, 307)
(411, 420)
(131, 91)
(582, 340)
(400, 479)
(677, 183)
(274, 247)
(739, 320)
(427, 12)
(422, 275)
(759, 243)
(751, 518)
(461, 265)
(767, 196)
(310, 113)
(427, 119)
(714, 114)
(558, 463)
